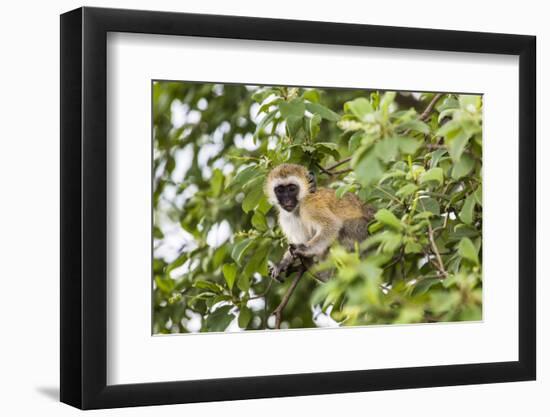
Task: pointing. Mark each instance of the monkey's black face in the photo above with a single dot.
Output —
(287, 195)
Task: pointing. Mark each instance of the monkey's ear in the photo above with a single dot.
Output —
(312, 182)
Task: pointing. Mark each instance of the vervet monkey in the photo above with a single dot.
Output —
(313, 218)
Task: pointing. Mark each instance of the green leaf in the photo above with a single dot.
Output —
(268, 118)
(478, 195)
(406, 190)
(456, 145)
(413, 247)
(259, 221)
(359, 107)
(267, 106)
(340, 191)
(467, 212)
(410, 314)
(428, 204)
(330, 145)
(467, 250)
(470, 102)
(462, 230)
(165, 285)
(370, 271)
(245, 175)
(219, 319)
(408, 145)
(243, 282)
(219, 256)
(311, 95)
(368, 169)
(388, 218)
(390, 242)
(207, 285)
(262, 94)
(216, 182)
(423, 215)
(264, 206)
(372, 289)
(252, 198)
(415, 125)
(157, 233)
(436, 157)
(244, 317)
(355, 141)
(448, 103)
(433, 174)
(256, 263)
(293, 124)
(229, 273)
(386, 149)
(387, 99)
(462, 167)
(240, 249)
(313, 126)
(294, 108)
(392, 174)
(449, 129)
(179, 261)
(423, 285)
(322, 111)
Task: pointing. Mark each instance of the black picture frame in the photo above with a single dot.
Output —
(84, 207)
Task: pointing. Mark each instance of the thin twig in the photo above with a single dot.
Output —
(396, 260)
(263, 294)
(279, 310)
(390, 195)
(424, 115)
(430, 107)
(441, 267)
(342, 171)
(323, 170)
(337, 164)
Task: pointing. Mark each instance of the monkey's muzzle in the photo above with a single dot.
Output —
(288, 206)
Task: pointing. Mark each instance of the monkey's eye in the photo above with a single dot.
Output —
(279, 189)
(292, 188)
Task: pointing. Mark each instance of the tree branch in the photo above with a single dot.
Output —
(342, 171)
(427, 110)
(430, 107)
(337, 164)
(323, 170)
(440, 264)
(263, 294)
(279, 310)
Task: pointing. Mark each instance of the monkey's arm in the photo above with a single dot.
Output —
(317, 245)
(326, 226)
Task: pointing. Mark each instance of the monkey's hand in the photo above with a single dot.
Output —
(275, 272)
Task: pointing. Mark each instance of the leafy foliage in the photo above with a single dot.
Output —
(416, 158)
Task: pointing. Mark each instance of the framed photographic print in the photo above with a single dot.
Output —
(257, 208)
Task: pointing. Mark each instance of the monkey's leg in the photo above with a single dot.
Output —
(278, 269)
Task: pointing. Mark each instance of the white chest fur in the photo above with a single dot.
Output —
(294, 228)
